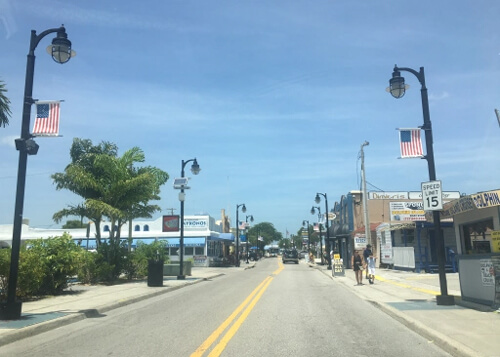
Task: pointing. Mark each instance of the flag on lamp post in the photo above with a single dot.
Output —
(47, 118)
(410, 143)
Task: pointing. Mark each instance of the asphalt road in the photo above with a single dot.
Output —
(271, 310)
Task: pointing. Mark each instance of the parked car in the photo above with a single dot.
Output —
(303, 254)
(290, 255)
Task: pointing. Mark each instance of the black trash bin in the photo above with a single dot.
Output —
(155, 272)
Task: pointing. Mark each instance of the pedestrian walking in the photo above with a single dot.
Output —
(370, 265)
(366, 254)
(357, 264)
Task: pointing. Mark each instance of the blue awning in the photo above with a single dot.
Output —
(188, 242)
(223, 236)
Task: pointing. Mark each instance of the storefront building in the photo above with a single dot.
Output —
(400, 235)
(476, 220)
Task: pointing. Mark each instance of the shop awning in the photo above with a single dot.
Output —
(188, 242)
(223, 236)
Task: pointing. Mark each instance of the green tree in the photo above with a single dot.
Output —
(265, 230)
(4, 106)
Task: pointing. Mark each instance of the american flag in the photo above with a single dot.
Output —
(47, 119)
(411, 143)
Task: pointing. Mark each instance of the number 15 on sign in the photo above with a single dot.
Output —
(432, 195)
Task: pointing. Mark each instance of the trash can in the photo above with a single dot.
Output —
(155, 272)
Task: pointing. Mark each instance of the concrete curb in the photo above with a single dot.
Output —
(448, 345)
(42, 327)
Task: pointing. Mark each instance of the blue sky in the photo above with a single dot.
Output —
(274, 98)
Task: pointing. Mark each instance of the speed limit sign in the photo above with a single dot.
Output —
(432, 195)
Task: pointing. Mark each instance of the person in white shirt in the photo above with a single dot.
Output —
(371, 268)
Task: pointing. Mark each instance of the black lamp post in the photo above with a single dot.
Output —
(305, 223)
(61, 52)
(317, 199)
(243, 209)
(248, 241)
(195, 169)
(397, 89)
(320, 233)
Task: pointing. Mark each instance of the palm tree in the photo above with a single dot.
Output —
(110, 185)
(4, 106)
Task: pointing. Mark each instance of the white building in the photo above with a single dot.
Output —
(203, 237)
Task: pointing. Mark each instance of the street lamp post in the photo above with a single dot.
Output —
(248, 241)
(397, 89)
(317, 199)
(305, 223)
(320, 233)
(61, 52)
(195, 169)
(243, 209)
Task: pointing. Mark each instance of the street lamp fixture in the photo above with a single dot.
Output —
(11, 309)
(243, 209)
(60, 50)
(317, 199)
(248, 241)
(195, 169)
(397, 88)
(313, 211)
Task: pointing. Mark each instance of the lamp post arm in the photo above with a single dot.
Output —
(184, 163)
(420, 75)
(36, 39)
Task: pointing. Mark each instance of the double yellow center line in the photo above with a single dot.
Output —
(246, 306)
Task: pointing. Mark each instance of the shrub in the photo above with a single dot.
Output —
(114, 256)
(4, 272)
(144, 252)
(47, 264)
(91, 268)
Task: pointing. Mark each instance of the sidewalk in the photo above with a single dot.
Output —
(465, 329)
(83, 301)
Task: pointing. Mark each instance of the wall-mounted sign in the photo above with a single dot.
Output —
(195, 224)
(495, 243)
(486, 199)
(170, 224)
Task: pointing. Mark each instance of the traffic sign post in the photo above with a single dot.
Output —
(432, 195)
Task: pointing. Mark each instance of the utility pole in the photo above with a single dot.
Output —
(368, 234)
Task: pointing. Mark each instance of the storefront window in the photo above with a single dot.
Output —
(211, 248)
(409, 236)
(174, 251)
(477, 237)
(188, 250)
(199, 251)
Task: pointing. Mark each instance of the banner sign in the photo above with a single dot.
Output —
(407, 211)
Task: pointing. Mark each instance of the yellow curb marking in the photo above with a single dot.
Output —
(425, 291)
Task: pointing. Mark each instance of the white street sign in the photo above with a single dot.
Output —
(432, 195)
